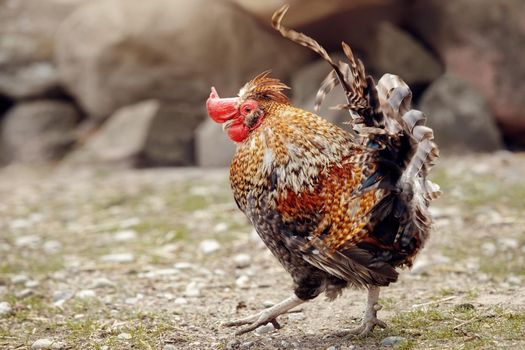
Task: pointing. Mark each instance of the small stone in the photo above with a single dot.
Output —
(32, 284)
(161, 272)
(19, 224)
(299, 316)
(489, 249)
(242, 260)
(42, 344)
(27, 241)
(104, 347)
(331, 348)
(19, 279)
(131, 222)
(169, 347)
(183, 265)
(508, 243)
(180, 301)
(119, 258)
(60, 296)
(221, 227)
(243, 282)
(265, 329)
(168, 296)
(464, 307)
(392, 341)
(124, 336)
(24, 293)
(5, 309)
(52, 247)
(102, 282)
(192, 290)
(513, 280)
(247, 345)
(85, 294)
(209, 246)
(125, 236)
(268, 303)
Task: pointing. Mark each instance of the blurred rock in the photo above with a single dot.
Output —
(397, 52)
(483, 42)
(27, 29)
(116, 52)
(39, 131)
(34, 80)
(146, 133)
(460, 117)
(307, 81)
(212, 145)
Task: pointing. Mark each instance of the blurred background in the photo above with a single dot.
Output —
(124, 82)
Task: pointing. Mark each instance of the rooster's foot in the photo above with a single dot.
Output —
(264, 317)
(370, 320)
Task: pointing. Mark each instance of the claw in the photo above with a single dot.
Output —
(266, 316)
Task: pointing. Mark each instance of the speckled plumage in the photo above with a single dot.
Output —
(337, 207)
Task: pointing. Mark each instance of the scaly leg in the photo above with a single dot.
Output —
(370, 319)
(268, 315)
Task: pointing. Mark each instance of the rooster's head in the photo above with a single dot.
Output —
(245, 113)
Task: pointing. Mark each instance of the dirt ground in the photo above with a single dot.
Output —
(158, 259)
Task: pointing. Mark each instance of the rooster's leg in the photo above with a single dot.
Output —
(370, 319)
(268, 315)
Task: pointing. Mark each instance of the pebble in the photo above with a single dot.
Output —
(19, 279)
(192, 290)
(125, 236)
(180, 301)
(52, 247)
(242, 260)
(103, 282)
(24, 293)
(27, 241)
(209, 246)
(119, 258)
(183, 265)
(331, 348)
(247, 345)
(32, 284)
(265, 329)
(124, 336)
(47, 344)
(513, 280)
(86, 293)
(268, 303)
(221, 227)
(127, 223)
(20, 223)
(299, 316)
(160, 272)
(5, 308)
(392, 341)
(243, 282)
(169, 347)
(489, 249)
(60, 296)
(508, 243)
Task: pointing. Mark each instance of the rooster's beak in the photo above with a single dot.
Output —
(221, 109)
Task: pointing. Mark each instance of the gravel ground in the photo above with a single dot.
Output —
(158, 259)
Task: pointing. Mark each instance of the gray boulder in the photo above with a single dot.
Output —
(460, 117)
(482, 42)
(39, 131)
(117, 52)
(148, 133)
(397, 52)
(212, 145)
(27, 32)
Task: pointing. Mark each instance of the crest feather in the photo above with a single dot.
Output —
(262, 87)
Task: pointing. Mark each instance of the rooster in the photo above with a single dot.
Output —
(337, 207)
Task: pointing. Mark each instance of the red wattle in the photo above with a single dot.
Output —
(221, 109)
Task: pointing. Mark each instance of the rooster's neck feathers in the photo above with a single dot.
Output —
(264, 88)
